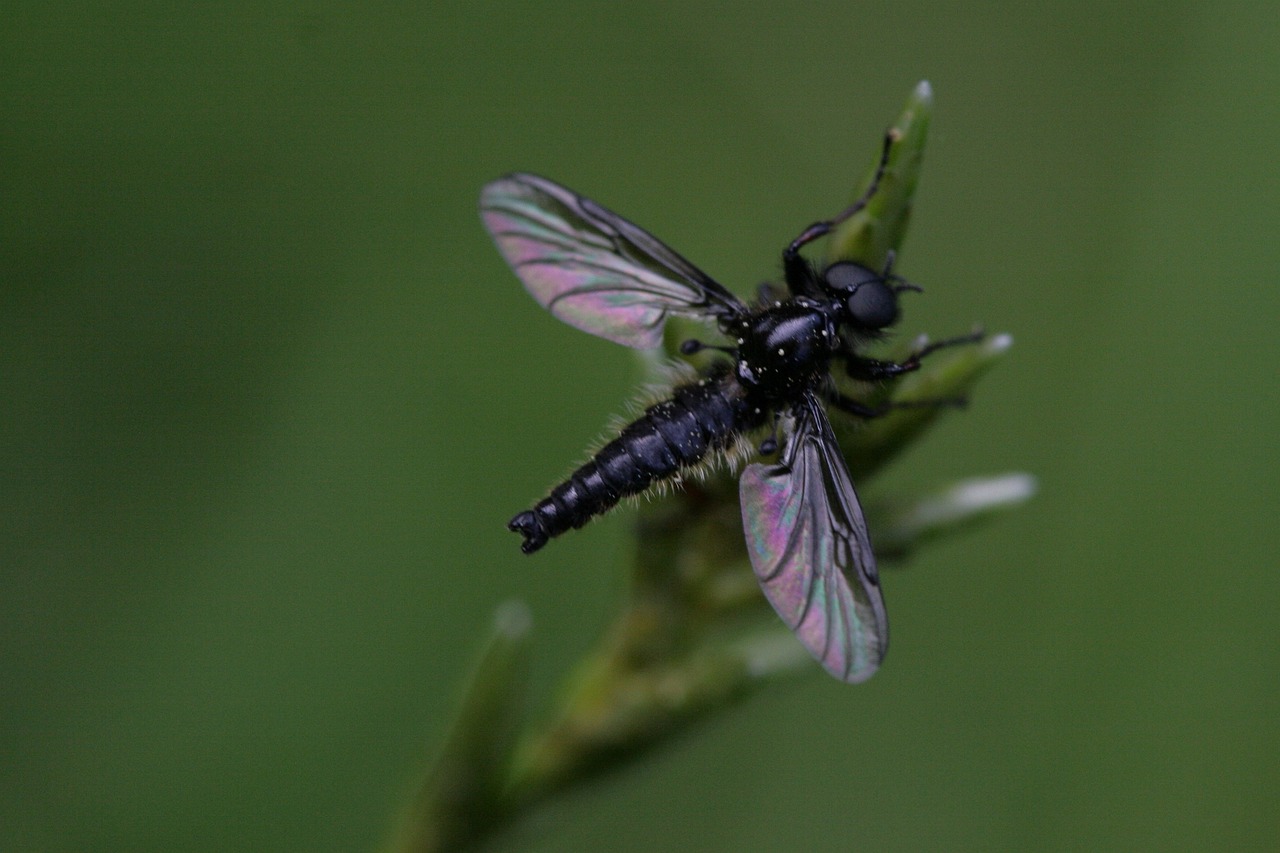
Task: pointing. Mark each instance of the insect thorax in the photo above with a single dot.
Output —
(785, 349)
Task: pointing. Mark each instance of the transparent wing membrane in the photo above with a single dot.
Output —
(809, 546)
(593, 269)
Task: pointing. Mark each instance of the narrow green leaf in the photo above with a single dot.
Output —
(947, 375)
(460, 800)
(958, 506)
(869, 235)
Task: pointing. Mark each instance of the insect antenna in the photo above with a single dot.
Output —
(898, 283)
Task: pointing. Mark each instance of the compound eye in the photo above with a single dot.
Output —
(848, 276)
(873, 305)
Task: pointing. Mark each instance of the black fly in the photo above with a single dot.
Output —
(804, 528)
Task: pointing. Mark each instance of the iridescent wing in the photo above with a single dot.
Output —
(592, 268)
(808, 544)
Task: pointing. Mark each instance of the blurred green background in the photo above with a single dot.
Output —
(268, 396)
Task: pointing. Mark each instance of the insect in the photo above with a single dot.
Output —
(805, 532)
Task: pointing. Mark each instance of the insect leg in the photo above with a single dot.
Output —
(973, 337)
(768, 294)
(770, 444)
(693, 346)
(874, 370)
(853, 407)
(871, 369)
(862, 410)
(794, 266)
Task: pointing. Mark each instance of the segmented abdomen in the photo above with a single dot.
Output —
(672, 435)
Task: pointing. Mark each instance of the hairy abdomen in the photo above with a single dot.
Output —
(676, 434)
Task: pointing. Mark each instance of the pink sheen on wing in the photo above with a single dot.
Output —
(517, 249)
(581, 291)
(591, 312)
(796, 566)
